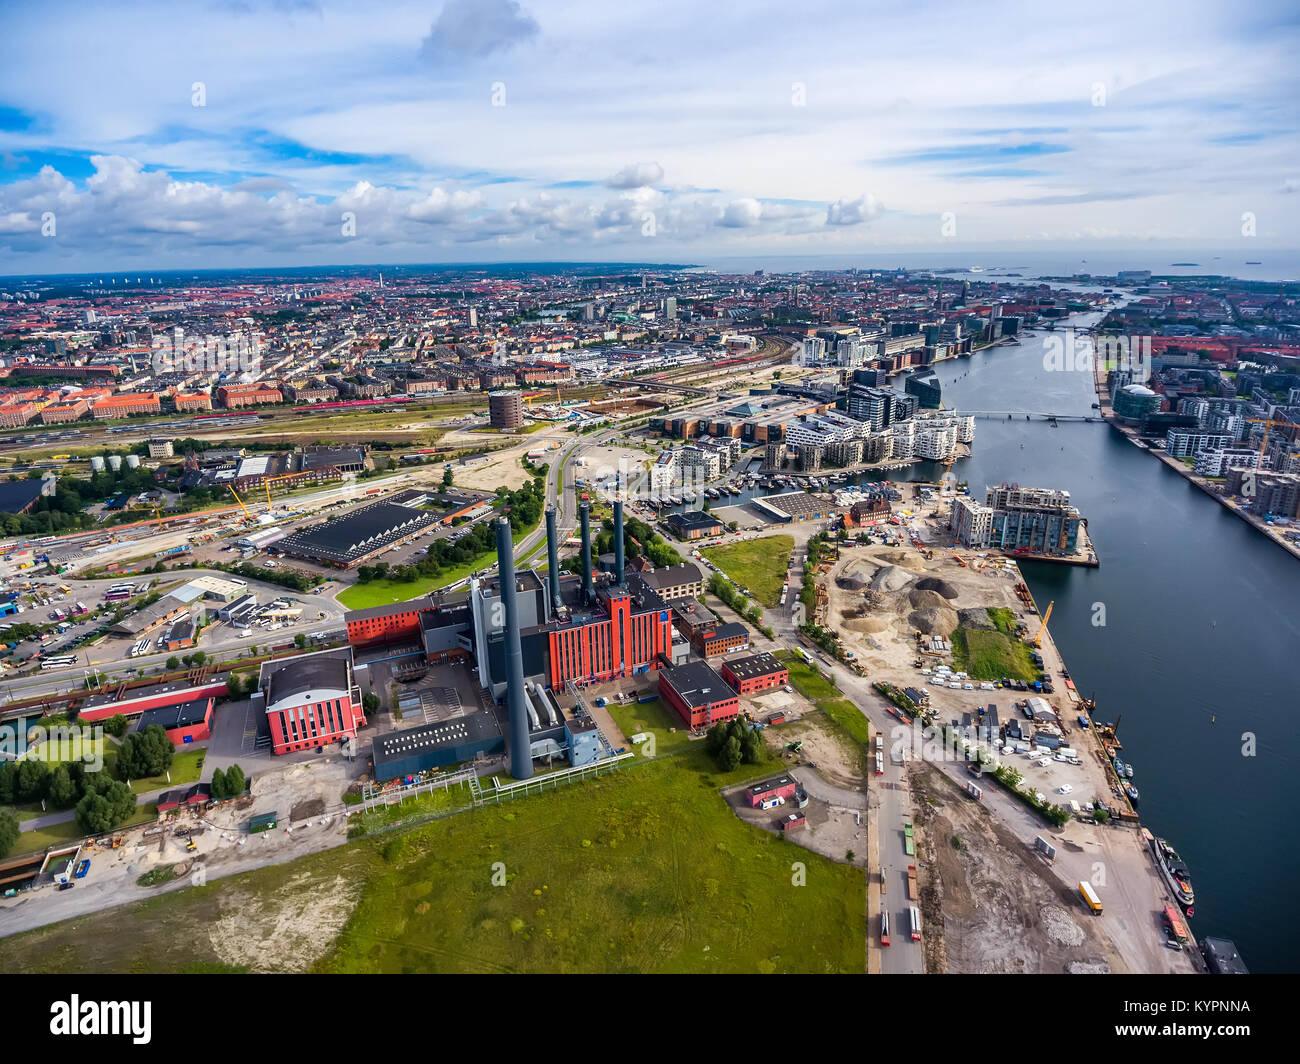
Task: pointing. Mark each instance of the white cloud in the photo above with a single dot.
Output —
(852, 212)
(637, 175)
(477, 28)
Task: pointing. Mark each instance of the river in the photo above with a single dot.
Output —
(1200, 621)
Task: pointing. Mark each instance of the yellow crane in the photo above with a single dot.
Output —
(1268, 423)
(1042, 630)
(271, 480)
(240, 501)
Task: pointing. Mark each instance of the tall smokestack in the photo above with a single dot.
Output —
(618, 542)
(584, 518)
(521, 762)
(553, 557)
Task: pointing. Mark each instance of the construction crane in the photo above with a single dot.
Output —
(240, 501)
(271, 480)
(1042, 630)
(1268, 423)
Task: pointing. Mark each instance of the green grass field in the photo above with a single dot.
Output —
(828, 698)
(758, 564)
(991, 655)
(187, 767)
(385, 592)
(643, 870)
(653, 717)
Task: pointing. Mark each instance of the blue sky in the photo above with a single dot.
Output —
(249, 133)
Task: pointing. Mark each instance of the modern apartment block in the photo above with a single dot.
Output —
(1036, 520)
(1185, 443)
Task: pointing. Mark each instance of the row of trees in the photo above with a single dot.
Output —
(102, 802)
(733, 744)
(229, 784)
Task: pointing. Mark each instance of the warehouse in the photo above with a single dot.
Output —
(414, 750)
(348, 541)
(794, 506)
(723, 639)
(693, 524)
(141, 699)
(758, 672)
(698, 694)
(150, 617)
(184, 722)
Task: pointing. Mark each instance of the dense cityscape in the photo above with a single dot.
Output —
(426, 549)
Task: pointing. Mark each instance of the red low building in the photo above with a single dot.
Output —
(765, 791)
(185, 722)
(311, 701)
(722, 639)
(129, 702)
(698, 694)
(758, 672)
(626, 641)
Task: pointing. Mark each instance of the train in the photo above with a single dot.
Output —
(348, 404)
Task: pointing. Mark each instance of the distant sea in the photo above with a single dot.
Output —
(1274, 265)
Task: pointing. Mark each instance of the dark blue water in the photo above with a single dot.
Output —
(1195, 655)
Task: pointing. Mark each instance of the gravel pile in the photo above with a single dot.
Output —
(890, 578)
(934, 621)
(933, 583)
(1058, 926)
(976, 619)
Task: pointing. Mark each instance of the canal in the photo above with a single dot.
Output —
(1200, 620)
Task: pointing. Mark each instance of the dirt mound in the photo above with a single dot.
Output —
(933, 621)
(975, 619)
(890, 578)
(866, 624)
(926, 599)
(851, 583)
(898, 557)
(933, 583)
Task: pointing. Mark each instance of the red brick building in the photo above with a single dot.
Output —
(234, 396)
(721, 639)
(143, 699)
(766, 790)
(189, 402)
(125, 405)
(698, 695)
(311, 700)
(628, 640)
(758, 672)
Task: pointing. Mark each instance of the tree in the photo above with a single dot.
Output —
(116, 725)
(62, 791)
(173, 663)
(218, 785)
(200, 657)
(447, 477)
(32, 779)
(751, 748)
(146, 753)
(729, 756)
(370, 702)
(234, 686)
(9, 831)
(300, 640)
(8, 782)
(235, 781)
(104, 808)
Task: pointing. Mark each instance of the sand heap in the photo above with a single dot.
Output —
(890, 578)
(922, 599)
(933, 583)
(934, 620)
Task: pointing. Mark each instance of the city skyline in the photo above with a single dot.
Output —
(269, 135)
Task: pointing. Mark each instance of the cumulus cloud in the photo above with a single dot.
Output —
(637, 175)
(852, 212)
(477, 28)
(1291, 184)
(741, 214)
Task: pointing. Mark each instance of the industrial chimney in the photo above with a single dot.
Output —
(618, 542)
(521, 761)
(553, 558)
(584, 517)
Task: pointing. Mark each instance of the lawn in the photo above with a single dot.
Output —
(68, 831)
(991, 655)
(758, 564)
(187, 767)
(828, 698)
(642, 870)
(385, 592)
(653, 717)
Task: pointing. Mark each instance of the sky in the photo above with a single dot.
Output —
(256, 133)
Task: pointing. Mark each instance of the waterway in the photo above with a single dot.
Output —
(1200, 620)
(1183, 635)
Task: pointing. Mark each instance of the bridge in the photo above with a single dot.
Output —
(1013, 415)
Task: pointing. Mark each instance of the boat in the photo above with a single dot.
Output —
(1174, 871)
(1132, 793)
(1128, 771)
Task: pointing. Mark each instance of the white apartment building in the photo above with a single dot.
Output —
(972, 522)
(1217, 463)
(1187, 443)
